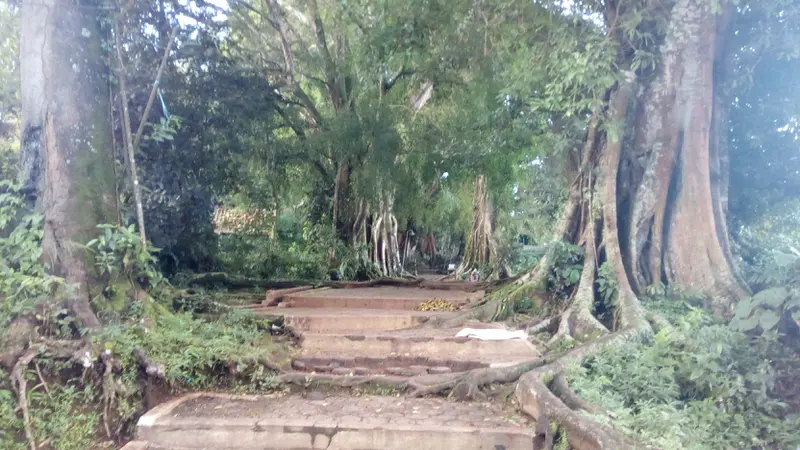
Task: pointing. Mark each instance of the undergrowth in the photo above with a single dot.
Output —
(85, 389)
(197, 353)
(66, 401)
(700, 385)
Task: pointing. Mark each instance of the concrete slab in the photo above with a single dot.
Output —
(431, 344)
(384, 297)
(137, 445)
(348, 320)
(218, 421)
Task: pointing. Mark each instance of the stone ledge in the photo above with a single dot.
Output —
(220, 421)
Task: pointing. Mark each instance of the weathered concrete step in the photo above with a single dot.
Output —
(432, 344)
(403, 366)
(339, 320)
(216, 421)
(386, 297)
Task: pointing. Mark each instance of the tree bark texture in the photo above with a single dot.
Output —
(130, 145)
(677, 230)
(67, 135)
(480, 249)
(385, 254)
(661, 181)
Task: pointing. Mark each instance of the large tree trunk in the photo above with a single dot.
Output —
(677, 230)
(661, 184)
(480, 249)
(67, 135)
(667, 164)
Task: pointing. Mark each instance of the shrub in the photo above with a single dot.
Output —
(701, 385)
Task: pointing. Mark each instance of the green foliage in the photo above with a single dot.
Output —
(196, 353)
(231, 352)
(260, 257)
(120, 252)
(539, 190)
(66, 415)
(24, 284)
(10, 421)
(9, 90)
(63, 415)
(525, 258)
(777, 307)
(567, 267)
(607, 284)
(700, 385)
(165, 129)
(126, 268)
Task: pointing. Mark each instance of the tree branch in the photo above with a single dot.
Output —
(387, 85)
(126, 131)
(154, 90)
(322, 45)
(288, 58)
(423, 97)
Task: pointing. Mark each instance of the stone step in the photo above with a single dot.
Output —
(218, 421)
(348, 320)
(401, 366)
(386, 297)
(430, 344)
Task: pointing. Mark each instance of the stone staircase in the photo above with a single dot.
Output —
(347, 332)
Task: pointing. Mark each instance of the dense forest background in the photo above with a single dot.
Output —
(620, 168)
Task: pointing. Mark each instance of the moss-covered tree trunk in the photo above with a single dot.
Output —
(66, 135)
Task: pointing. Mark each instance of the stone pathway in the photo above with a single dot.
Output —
(350, 332)
(213, 421)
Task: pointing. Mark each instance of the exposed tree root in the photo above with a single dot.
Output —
(557, 404)
(275, 296)
(21, 386)
(561, 389)
(582, 433)
(150, 367)
(464, 384)
(399, 282)
(657, 322)
(577, 323)
(16, 338)
(55, 349)
(547, 324)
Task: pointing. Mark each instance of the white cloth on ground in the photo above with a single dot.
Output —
(492, 334)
